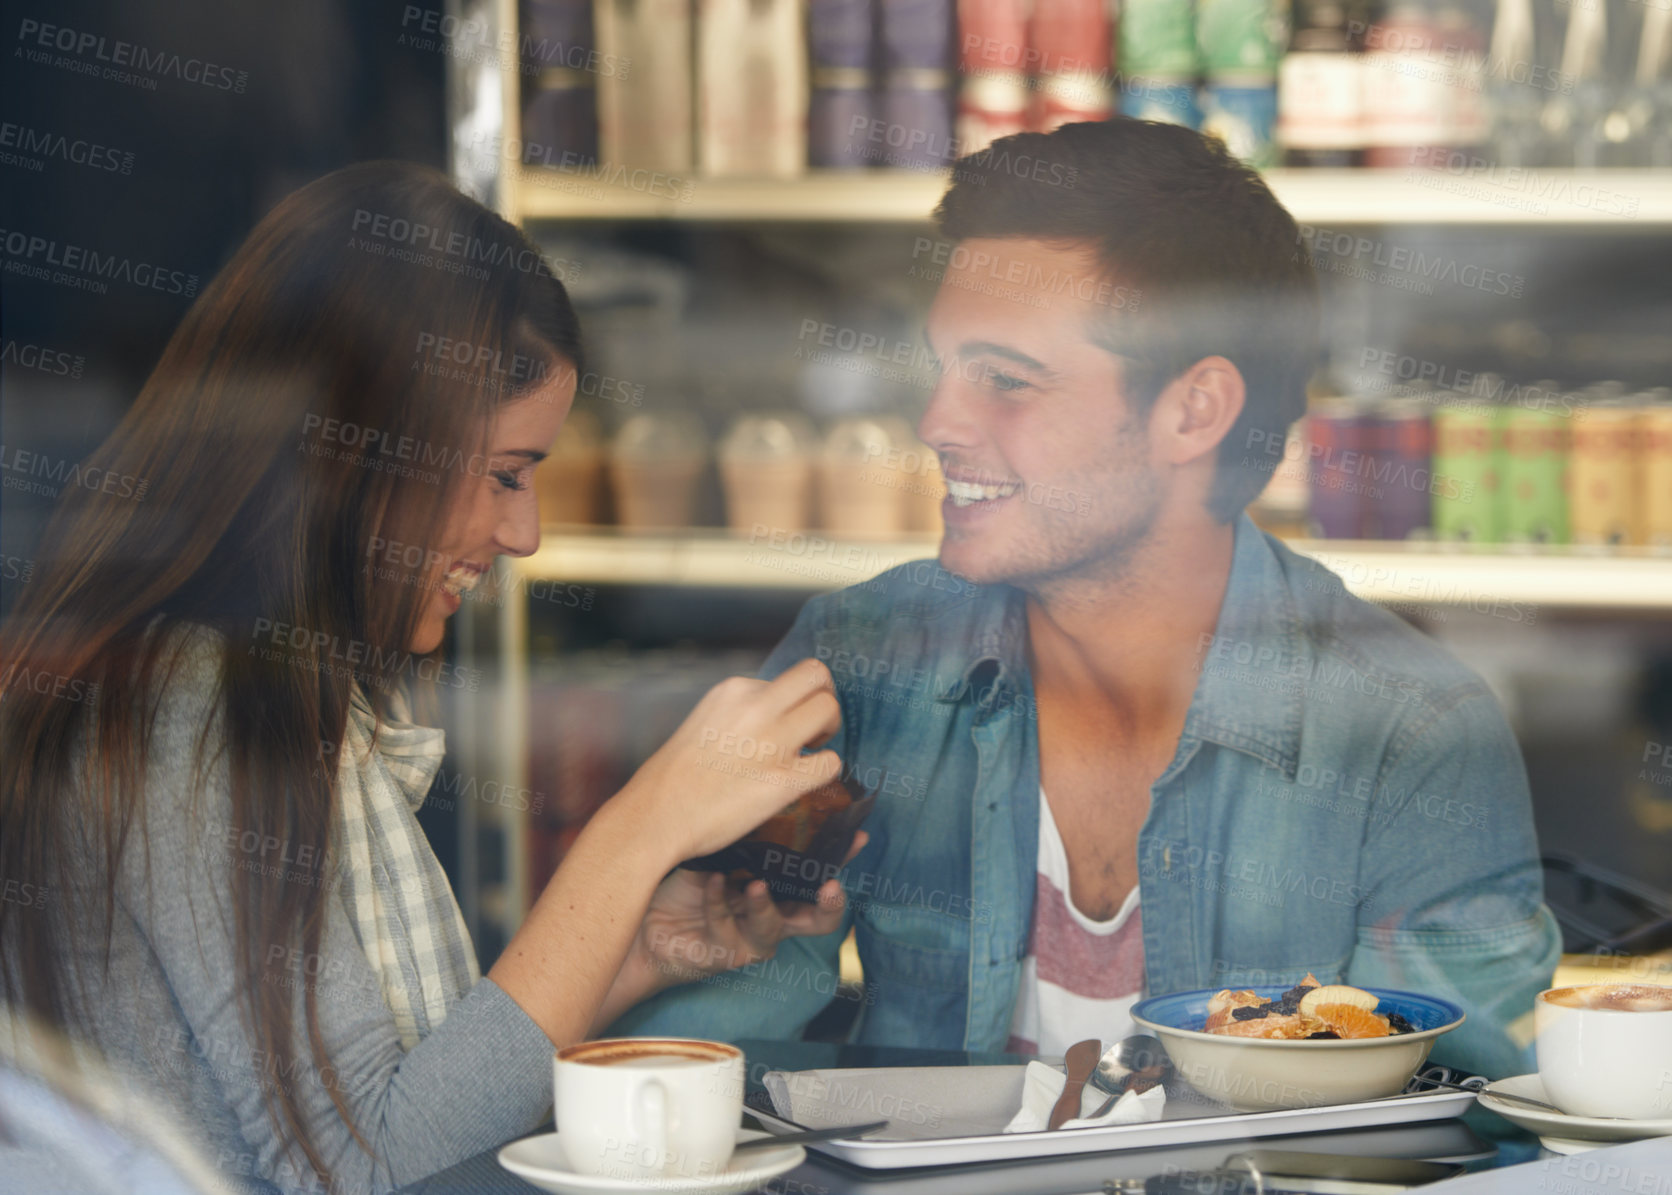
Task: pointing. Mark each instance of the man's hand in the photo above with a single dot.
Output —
(697, 926)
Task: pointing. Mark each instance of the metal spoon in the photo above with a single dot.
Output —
(1139, 1061)
(807, 1135)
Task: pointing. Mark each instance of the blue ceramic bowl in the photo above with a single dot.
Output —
(1256, 1075)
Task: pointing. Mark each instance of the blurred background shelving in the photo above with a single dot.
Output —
(1377, 570)
(1323, 196)
(716, 290)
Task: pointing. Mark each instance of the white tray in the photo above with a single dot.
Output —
(966, 1097)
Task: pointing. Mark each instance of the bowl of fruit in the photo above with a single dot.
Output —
(1268, 1047)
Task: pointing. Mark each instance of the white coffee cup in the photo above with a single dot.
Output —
(648, 1107)
(1606, 1049)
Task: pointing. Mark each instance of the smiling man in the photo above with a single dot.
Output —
(1138, 746)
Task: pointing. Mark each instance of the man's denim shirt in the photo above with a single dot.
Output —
(1346, 799)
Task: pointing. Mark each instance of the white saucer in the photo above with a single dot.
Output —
(540, 1160)
(1560, 1132)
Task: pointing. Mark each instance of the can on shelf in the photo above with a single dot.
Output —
(1338, 431)
(1602, 473)
(1465, 481)
(1241, 110)
(1533, 474)
(1400, 448)
(1656, 425)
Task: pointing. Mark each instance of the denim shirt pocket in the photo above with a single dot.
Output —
(916, 965)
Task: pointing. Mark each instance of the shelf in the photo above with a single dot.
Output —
(1395, 574)
(1608, 199)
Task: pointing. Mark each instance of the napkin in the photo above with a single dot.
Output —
(1043, 1084)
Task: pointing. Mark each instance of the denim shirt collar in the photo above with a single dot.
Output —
(1253, 672)
(1249, 694)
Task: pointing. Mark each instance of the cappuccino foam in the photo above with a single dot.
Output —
(1615, 997)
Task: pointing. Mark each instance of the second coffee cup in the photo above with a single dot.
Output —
(648, 1107)
(1606, 1049)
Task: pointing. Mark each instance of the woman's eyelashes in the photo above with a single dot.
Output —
(513, 479)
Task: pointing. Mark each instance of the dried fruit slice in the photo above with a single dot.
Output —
(1350, 1021)
(1336, 993)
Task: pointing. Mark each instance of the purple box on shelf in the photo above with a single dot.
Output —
(560, 122)
(557, 33)
(839, 33)
(839, 120)
(917, 34)
(917, 120)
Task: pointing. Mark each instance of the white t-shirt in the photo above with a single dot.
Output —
(1081, 977)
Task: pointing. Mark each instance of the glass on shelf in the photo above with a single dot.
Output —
(566, 483)
(862, 487)
(656, 462)
(766, 471)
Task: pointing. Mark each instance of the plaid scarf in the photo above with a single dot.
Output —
(398, 898)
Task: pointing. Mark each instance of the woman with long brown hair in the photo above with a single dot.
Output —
(208, 761)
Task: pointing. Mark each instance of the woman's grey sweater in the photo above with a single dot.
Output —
(166, 1012)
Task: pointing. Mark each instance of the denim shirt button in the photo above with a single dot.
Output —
(1166, 858)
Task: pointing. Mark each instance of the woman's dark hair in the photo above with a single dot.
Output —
(327, 394)
(1203, 259)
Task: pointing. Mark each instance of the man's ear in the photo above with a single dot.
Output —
(1197, 410)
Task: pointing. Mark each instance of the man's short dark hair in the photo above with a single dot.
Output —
(1205, 259)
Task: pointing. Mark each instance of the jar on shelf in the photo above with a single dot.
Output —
(656, 462)
(862, 487)
(566, 483)
(766, 472)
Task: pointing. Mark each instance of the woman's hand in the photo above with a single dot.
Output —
(734, 762)
(731, 765)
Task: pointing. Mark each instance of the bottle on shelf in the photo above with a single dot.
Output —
(644, 115)
(1069, 48)
(1576, 117)
(992, 56)
(1517, 81)
(1320, 104)
(1648, 104)
(1462, 65)
(751, 88)
(1407, 104)
(1241, 43)
(560, 103)
(1159, 62)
